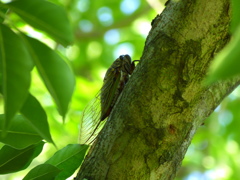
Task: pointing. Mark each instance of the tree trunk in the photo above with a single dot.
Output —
(164, 102)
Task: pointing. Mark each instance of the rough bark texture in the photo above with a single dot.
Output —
(164, 103)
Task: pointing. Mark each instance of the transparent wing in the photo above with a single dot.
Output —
(90, 122)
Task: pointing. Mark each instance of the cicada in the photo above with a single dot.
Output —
(100, 107)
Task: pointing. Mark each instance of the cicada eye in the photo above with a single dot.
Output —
(121, 57)
(127, 56)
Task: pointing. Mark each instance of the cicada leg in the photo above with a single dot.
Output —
(128, 66)
(133, 65)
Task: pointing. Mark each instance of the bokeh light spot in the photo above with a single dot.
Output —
(208, 162)
(105, 16)
(124, 48)
(83, 5)
(142, 27)
(225, 118)
(232, 147)
(72, 52)
(221, 172)
(94, 50)
(128, 7)
(85, 25)
(112, 36)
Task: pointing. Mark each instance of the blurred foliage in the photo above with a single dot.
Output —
(104, 30)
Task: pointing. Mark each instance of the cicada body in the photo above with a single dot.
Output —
(100, 108)
(114, 81)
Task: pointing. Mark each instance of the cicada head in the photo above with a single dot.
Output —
(127, 65)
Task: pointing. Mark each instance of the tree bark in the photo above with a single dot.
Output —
(165, 101)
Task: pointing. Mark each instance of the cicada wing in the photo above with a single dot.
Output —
(90, 124)
(108, 94)
(96, 111)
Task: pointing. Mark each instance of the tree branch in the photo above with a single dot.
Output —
(164, 102)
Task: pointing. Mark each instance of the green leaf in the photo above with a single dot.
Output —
(235, 22)
(68, 159)
(43, 171)
(3, 11)
(45, 16)
(12, 160)
(20, 134)
(36, 115)
(16, 65)
(55, 73)
(226, 64)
